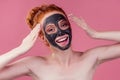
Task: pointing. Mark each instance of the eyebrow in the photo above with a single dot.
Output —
(50, 23)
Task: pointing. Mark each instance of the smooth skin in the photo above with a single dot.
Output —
(59, 65)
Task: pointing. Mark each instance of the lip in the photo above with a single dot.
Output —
(62, 40)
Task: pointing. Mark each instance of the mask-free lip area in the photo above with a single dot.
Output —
(62, 41)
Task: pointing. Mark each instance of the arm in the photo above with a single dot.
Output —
(15, 69)
(102, 53)
(27, 43)
(108, 35)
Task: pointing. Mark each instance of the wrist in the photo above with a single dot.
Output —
(92, 33)
(96, 34)
(17, 51)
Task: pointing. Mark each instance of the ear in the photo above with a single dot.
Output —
(44, 40)
(42, 37)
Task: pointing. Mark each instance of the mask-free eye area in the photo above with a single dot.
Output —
(51, 29)
(63, 24)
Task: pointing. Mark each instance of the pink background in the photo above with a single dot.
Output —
(101, 15)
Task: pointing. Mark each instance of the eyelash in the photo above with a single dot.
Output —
(65, 24)
(50, 30)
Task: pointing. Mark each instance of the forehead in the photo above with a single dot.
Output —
(54, 18)
(48, 15)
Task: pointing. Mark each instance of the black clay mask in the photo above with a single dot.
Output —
(59, 34)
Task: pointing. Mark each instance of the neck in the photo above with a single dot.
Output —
(63, 57)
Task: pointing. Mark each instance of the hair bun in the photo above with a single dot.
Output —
(31, 15)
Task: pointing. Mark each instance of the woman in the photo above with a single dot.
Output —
(50, 23)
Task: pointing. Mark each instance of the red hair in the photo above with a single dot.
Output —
(37, 13)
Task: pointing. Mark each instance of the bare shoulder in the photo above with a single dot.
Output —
(86, 55)
(80, 54)
(33, 60)
(34, 63)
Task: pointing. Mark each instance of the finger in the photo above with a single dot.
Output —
(33, 33)
(82, 19)
(35, 38)
(31, 38)
(70, 16)
(78, 20)
(35, 30)
(74, 18)
(38, 26)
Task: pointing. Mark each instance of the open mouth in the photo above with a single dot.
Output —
(62, 40)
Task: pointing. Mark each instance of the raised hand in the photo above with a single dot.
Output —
(81, 23)
(26, 44)
(30, 39)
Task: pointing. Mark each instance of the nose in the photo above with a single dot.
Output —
(60, 33)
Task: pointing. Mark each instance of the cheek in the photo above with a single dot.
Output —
(53, 35)
(68, 31)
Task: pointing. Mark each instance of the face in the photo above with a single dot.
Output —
(57, 31)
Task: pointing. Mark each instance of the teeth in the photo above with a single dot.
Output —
(62, 39)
